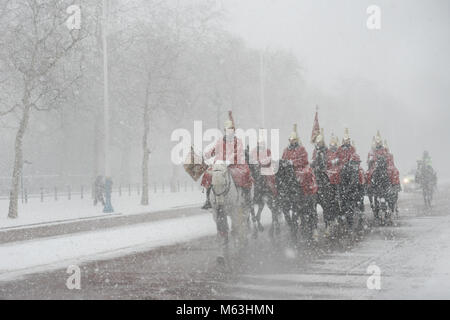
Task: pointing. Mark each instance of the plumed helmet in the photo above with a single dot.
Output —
(320, 137)
(346, 136)
(294, 134)
(229, 123)
(378, 140)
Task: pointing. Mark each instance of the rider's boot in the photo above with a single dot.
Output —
(207, 204)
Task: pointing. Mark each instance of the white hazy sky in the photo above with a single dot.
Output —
(408, 58)
(332, 41)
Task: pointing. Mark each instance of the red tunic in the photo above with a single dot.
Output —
(345, 153)
(264, 159)
(232, 151)
(207, 178)
(303, 172)
(393, 172)
(362, 176)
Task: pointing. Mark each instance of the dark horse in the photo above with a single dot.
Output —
(295, 205)
(263, 196)
(350, 191)
(327, 196)
(384, 195)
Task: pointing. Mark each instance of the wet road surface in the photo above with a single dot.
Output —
(410, 255)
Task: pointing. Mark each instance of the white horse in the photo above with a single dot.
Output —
(228, 200)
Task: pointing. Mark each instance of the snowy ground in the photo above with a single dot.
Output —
(37, 212)
(175, 258)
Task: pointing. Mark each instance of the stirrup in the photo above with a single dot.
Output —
(206, 206)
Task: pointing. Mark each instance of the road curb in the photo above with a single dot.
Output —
(64, 227)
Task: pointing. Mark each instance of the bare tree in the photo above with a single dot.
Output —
(38, 51)
(159, 41)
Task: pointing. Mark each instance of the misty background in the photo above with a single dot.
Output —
(173, 62)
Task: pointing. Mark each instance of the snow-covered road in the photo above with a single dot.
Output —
(169, 259)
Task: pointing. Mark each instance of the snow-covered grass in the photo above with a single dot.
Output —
(36, 211)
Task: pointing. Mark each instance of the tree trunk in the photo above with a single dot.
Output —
(18, 162)
(146, 153)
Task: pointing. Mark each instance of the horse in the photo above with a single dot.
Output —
(384, 195)
(227, 200)
(426, 178)
(327, 193)
(349, 193)
(263, 196)
(295, 205)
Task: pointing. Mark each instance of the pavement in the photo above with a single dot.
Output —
(409, 260)
(85, 224)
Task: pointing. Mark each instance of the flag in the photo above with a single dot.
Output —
(194, 165)
(316, 127)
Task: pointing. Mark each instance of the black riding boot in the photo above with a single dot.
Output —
(207, 204)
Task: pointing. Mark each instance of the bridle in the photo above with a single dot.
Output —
(227, 188)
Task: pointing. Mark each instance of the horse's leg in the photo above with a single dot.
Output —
(313, 218)
(256, 220)
(275, 227)
(294, 226)
(327, 207)
(258, 214)
(238, 225)
(294, 218)
(222, 228)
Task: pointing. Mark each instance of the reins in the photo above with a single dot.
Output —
(227, 188)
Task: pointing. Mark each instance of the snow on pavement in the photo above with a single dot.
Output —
(35, 212)
(50, 253)
(32, 256)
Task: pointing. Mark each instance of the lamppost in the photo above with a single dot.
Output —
(221, 61)
(108, 181)
(261, 88)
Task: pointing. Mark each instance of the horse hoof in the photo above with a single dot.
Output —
(260, 228)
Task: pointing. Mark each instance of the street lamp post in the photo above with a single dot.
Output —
(108, 181)
(261, 84)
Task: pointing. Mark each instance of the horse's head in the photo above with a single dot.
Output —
(286, 179)
(219, 173)
(221, 180)
(380, 177)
